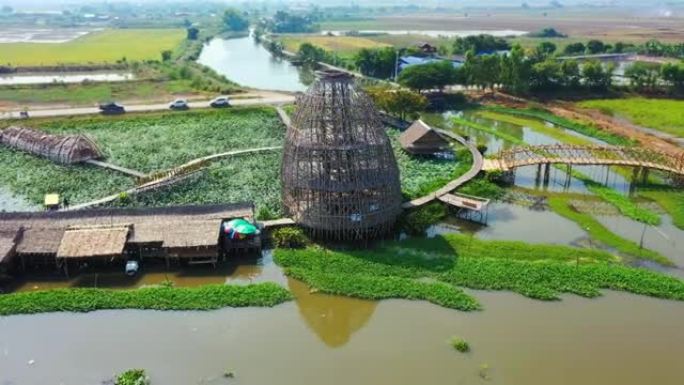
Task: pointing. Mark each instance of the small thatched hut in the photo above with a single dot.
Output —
(421, 139)
(340, 177)
(65, 149)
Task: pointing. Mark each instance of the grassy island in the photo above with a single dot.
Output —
(436, 269)
(153, 298)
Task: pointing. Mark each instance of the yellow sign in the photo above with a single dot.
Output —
(51, 199)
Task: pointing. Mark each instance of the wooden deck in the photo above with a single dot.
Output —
(463, 201)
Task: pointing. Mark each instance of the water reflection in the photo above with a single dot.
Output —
(334, 319)
(250, 64)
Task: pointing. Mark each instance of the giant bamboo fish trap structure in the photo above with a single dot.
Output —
(340, 177)
(65, 149)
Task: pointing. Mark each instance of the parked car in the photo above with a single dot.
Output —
(132, 268)
(179, 104)
(219, 102)
(112, 108)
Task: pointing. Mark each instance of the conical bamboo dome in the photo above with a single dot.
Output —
(340, 177)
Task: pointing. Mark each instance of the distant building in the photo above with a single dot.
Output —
(421, 139)
(427, 48)
(408, 61)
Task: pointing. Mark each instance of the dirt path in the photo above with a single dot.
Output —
(645, 137)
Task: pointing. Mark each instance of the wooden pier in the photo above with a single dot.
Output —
(471, 207)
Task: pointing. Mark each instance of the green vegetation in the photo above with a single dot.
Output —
(421, 176)
(109, 46)
(401, 103)
(342, 45)
(154, 298)
(536, 125)
(671, 200)
(459, 344)
(254, 178)
(416, 222)
(483, 187)
(584, 129)
(156, 141)
(626, 206)
(132, 377)
(32, 177)
(89, 93)
(665, 115)
(601, 234)
(290, 237)
(431, 270)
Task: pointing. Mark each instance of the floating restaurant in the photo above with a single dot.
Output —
(68, 239)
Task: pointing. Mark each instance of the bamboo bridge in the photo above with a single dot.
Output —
(642, 158)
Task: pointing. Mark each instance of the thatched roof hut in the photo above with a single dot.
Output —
(106, 232)
(421, 139)
(65, 149)
(340, 177)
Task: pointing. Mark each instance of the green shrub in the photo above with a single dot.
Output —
(289, 237)
(416, 222)
(132, 377)
(460, 344)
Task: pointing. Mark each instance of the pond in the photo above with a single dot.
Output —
(42, 35)
(249, 64)
(47, 78)
(319, 339)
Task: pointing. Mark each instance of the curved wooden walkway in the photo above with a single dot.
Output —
(585, 155)
(166, 178)
(477, 166)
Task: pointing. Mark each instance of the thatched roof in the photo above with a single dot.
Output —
(65, 149)
(93, 242)
(8, 244)
(420, 138)
(178, 226)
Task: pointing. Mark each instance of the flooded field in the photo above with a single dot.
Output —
(41, 35)
(35, 78)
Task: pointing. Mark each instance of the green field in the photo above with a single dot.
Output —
(666, 115)
(343, 45)
(107, 46)
(90, 93)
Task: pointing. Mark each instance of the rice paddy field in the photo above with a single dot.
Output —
(106, 46)
(666, 115)
(343, 45)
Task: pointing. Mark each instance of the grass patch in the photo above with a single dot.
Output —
(671, 200)
(666, 115)
(153, 298)
(32, 177)
(601, 234)
(584, 129)
(254, 178)
(162, 140)
(343, 45)
(90, 93)
(433, 269)
(421, 176)
(626, 206)
(459, 344)
(132, 377)
(106, 46)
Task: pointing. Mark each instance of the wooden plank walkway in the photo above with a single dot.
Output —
(463, 201)
(276, 223)
(169, 178)
(475, 169)
(123, 170)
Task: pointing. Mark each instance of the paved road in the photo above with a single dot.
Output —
(271, 99)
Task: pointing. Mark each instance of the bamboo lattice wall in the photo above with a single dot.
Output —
(340, 177)
(61, 149)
